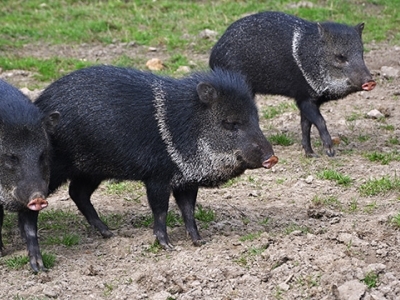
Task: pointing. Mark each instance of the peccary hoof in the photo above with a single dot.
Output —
(106, 234)
(330, 152)
(199, 243)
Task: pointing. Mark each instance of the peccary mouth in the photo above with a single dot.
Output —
(37, 204)
(369, 85)
(270, 162)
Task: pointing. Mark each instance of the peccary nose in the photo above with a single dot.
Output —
(369, 86)
(37, 203)
(270, 162)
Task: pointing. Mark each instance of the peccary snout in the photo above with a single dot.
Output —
(37, 203)
(270, 162)
(369, 86)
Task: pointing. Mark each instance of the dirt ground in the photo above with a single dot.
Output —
(299, 250)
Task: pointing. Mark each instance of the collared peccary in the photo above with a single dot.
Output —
(24, 161)
(173, 134)
(284, 55)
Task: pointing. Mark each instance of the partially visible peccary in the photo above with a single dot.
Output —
(174, 135)
(310, 62)
(24, 164)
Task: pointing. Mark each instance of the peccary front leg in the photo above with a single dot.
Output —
(80, 190)
(158, 196)
(27, 222)
(310, 114)
(186, 200)
(1, 228)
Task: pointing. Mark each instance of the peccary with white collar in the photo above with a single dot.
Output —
(175, 135)
(284, 55)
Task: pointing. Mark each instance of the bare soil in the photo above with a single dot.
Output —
(299, 250)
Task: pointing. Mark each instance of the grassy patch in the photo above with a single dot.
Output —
(19, 261)
(271, 112)
(173, 219)
(383, 158)
(205, 215)
(379, 186)
(371, 280)
(250, 237)
(331, 201)
(281, 139)
(66, 239)
(395, 221)
(333, 175)
(130, 190)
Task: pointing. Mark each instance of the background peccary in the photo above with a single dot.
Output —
(24, 164)
(174, 135)
(310, 62)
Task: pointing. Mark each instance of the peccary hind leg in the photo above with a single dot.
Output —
(310, 114)
(158, 196)
(80, 190)
(27, 222)
(186, 200)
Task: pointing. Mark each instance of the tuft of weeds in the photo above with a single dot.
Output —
(126, 189)
(383, 158)
(371, 279)
(66, 239)
(379, 186)
(17, 262)
(281, 139)
(250, 237)
(333, 175)
(271, 112)
(204, 215)
(395, 221)
(331, 201)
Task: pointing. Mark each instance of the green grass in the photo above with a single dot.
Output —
(19, 261)
(205, 215)
(250, 237)
(383, 157)
(331, 201)
(333, 175)
(171, 25)
(271, 112)
(173, 219)
(281, 139)
(371, 280)
(379, 186)
(395, 221)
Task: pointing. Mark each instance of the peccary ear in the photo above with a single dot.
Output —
(207, 93)
(51, 121)
(359, 28)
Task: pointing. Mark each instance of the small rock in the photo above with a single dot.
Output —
(301, 4)
(375, 114)
(376, 295)
(296, 233)
(309, 179)
(351, 290)
(50, 293)
(388, 72)
(183, 69)
(152, 49)
(284, 286)
(208, 34)
(155, 64)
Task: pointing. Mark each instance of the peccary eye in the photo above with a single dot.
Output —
(341, 58)
(232, 126)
